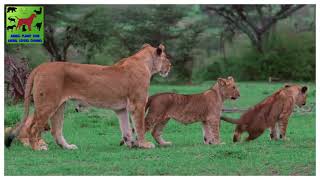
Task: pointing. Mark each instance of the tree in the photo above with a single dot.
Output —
(120, 30)
(129, 27)
(51, 43)
(253, 20)
(183, 56)
(61, 29)
(16, 74)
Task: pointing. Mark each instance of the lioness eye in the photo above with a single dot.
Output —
(234, 87)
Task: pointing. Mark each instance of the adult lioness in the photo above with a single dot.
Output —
(122, 87)
(204, 107)
(272, 112)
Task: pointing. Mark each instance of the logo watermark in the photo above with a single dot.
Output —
(24, 24)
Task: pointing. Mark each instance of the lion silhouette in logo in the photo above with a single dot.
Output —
(26, 21)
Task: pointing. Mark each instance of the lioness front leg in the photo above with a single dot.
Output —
(137, 112)
(125, 127)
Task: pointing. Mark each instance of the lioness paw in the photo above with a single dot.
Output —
(285, 139)
(70, 147)
(146, 145)
(41, 147)
(167, 143)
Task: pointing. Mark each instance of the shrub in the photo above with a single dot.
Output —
(288, 56)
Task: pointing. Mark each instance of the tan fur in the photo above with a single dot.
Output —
(23, 134)
(272, 112)
(204, 107)
(122, 87)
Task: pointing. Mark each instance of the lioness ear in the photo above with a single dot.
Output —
(304, 89)
(159, 51)
(287, 85)
(222, 82)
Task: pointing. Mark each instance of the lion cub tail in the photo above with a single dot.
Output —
(14, 132)
(148, 103)
(230, 120)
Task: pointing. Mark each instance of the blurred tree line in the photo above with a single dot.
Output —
(249, 42)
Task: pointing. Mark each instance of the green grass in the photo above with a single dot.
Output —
(97, 134)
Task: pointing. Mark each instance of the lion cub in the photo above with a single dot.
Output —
(273, 113)
(204, 107)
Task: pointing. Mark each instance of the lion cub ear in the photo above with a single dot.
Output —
(304, 89)
(159, 51)
(230, 78)
(222, 82)
(161, 46)
(145, 45)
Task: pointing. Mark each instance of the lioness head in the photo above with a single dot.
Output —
(299, 93)
(161, 61)
(229, 88)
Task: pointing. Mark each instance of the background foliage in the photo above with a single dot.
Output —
(260, 41)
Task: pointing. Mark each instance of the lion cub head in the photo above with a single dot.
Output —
(228, 88)
(299, 93)
(161, 62)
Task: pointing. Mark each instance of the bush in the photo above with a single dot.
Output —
(288, 56)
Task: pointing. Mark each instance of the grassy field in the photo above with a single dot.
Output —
(96, 133)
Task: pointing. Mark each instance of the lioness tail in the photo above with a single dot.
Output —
(15, 131)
